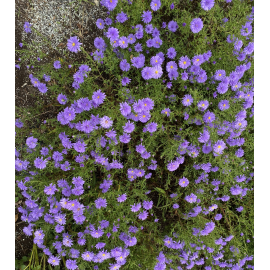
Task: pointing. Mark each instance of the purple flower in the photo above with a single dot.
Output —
(125, 81)
(27, 27)
(184, 76)
(135, 207)
(224, 105)
(240, 152)
(207, 4)
(100, 24)
(106, 122)
(62, 99)
(175, 206)
(166, 111)
(183, 182)
(128, 127)
(110, 4)
(236, 190)
(172, 26)
(203, 105)
(138, 48)
(155, 60)
(147, 16)
(125, 109)
(31, 142)
(187, 100)
(98, 97)
(147, 205)
(147, 73)
(100, 202)
(157, 71)
(191, 198)
(143, 215)
(112, 33)
(219, 146)
(50, 190)
(196, 25)
(144, 116)
(171, 53)
(155, 5)
(124, 65)
(123, 42)
(218, 217)
(79, 146)
(171, 66)
(121, 17)
(209, 117)
(71, 264)
(73, 44)
(40, 163)
(197, 60)
(57, 64)
(122, 198)
(172, 166)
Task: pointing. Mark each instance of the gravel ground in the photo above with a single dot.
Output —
(56, 20)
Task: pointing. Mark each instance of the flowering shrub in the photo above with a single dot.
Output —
(149, 161)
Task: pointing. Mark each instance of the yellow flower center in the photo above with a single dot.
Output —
(168, 242)
(143, 116)
(219, 75)
(202, 105)
(187, 100)
(97, 96)
(103, 254)
(165, 112)
(87, 255)
(219, 146)
(73, 204)
(60, 219)
(106, 121)
(156, 61)
(171, 66)
(100, 23)
(185, 62)
(155, 4)
(156, 72)
(20, 164)
(123, 42)
(145, 104)
(197, 59)
(73, 44)
(184, 182)
(224, 105)
(240, 124)
(53, 261)
(209, 117)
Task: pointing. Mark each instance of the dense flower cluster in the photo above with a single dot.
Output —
(175, 143)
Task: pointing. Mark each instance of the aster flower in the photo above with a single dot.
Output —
(125, 81)
(171, 53)
(121, 17)
(239, 153)
(157, 71)
(166, 111)
(183, 182)
(122, 198)
(50, 190)
(197, 60)
(146, 16)
(98, 97)
(218, 217)
(191, 198)
(100, 24)
(125, 138)
(224, 105)
(71, 264)
(172, 166)
(40, 163)
(172, 26)
(171, 66)
(125, 109)
(196, 25)
(209, 117)
(106, 122)
(31, 142)
(27, 27)
(53, 260)
(207, 4)
(112, 33)
(219, 146)
(100, 202)
(147, 73)
(187, 100)
(135, 207)
(147, 205)
(138, 48)
(110, 4)
(143, 215)
(57, 64)
(184, 62)
(124, 65)
(236, 190)
(155, 5)
(73, 44)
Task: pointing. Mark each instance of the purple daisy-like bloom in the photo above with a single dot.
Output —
(143, 215)
(166, 111)
(184, 62)
(209, 117)
(155, 60)
(207, 4)
(110, 4)
(144, 116)
(100, 202)
(204, 137)
(125, 81)
(129, 127)
(79, 147)
(121, 17)
(172, 26)
(184, 76)
(183, 182)
(50, 190)
(236, 190)
(88, 256)
(219, 146)
(197, 60)
(122, 198)
(147, 16)
(71, 264)
(136, 207)
(196, 25)
(57, 64)
(203, 105)
(100, 24)
(175, 206)
(62, 99)
(138, 47)
(172, 166)
(106, 122)
(155, 5)
(187, 100)
(249, 48)
(224, 105)
(125, 138)
(73, 44)
(124, 65)
(147, 205)
(222, 88)
(239, 153)
(125, 109)
(220, 75)
(171, 53)
(147, 73)
(218, 217)
(40, 163)
(240, 209)
(171, 66)
(149, 28)
(157, 71)
(98, 97)
(53, 260)
(31, 142)
(112, 33)
(191, 198)
(27, 27)
(152, 127)
(123, 42)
